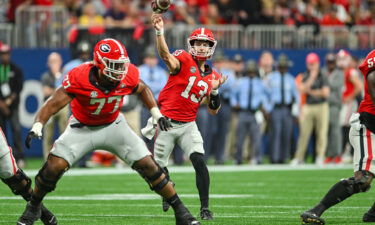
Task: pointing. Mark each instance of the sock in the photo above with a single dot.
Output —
(174, 201)
(202, 178)
(339, 192)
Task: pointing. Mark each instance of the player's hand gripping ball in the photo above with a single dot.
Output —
(160, 6)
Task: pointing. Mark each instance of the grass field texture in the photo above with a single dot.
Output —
(239, 196)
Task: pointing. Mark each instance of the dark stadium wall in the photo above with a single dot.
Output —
(34, 62)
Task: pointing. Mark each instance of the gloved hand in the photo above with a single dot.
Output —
(164, 124)
(35, 132)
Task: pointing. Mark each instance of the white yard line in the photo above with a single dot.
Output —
(189, 169)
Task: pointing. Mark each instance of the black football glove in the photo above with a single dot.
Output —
(164, 124)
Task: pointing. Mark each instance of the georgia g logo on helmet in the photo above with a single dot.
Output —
(104, 48)
(111, 57)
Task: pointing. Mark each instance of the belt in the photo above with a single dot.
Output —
(176, 121)
(80, 125)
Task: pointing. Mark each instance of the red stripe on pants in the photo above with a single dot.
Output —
(369, 149)
(13, 161)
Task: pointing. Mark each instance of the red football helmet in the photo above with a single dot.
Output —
(111, 58)
(202, 34)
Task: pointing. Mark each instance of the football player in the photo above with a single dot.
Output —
(95, 92)
(191, 80)
(17, 180)
(362, 138)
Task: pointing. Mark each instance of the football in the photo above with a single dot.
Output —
(160, 6)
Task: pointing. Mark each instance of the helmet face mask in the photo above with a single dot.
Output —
(111, 58)
(200, 36)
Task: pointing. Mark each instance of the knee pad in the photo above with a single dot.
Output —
(47, 178)
(151, 178)
(354, 185)
(20, 183)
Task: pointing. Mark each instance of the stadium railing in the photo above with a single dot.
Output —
(41, 27)
(6, 33)
(47, 27)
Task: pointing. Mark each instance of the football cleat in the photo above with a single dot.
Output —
(165, 205)
(30, 215)
(311, 218)
(368, 217)
(184, 217)
(47, 217)
(206, 214)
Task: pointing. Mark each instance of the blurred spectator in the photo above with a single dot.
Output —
(221, 12)
(336, 82)
(83, 53)
(265, 64)
(330, 18)
(13, 5)
(184, 14)
(284, 94)
(249, 96)
(90, 17)
(215, 141)
(237, 64)
(115, 15)
(352, 88)
(51, 80)
(154, 76)
(11, 83)
(315, 111)
(249, 12)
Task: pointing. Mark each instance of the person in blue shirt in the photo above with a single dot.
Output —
(217, 126)
(83, 54)
(250, 95)
(283, 94)
(154, 76)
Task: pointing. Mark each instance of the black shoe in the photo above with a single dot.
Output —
(165, 205)
(47, 217)
(311, 218)
(368, 217)
(30, 215)
(206, 214)
(184, 217)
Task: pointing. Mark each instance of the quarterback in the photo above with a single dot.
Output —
(191, 80)
(95, 91)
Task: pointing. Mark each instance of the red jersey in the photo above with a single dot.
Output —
(349, 86)
(367, 66)
(181, 96)
(93, 105)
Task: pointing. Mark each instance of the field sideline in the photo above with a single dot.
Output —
(240, 195)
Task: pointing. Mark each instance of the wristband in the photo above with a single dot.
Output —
(156, 114)
(159, 32)
(215, 92)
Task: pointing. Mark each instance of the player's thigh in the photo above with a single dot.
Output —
(362, 141)
(190, 139)
(73, 144)
(163, 145)
(8, 166)
(121, 140)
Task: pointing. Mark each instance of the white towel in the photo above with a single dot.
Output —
(149, 130)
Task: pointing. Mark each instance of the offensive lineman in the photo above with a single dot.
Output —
(189, 82)
(95, 91)
(17, 180)
(362, 138)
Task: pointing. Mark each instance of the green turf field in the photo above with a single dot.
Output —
(275, 196)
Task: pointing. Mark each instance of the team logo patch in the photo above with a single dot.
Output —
(94, 94)
(105, 48)
(193, 69)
